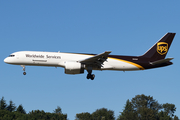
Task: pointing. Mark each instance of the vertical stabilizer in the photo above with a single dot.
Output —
(160, 49)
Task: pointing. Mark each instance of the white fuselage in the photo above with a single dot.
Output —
(58, 59)
(77, 63)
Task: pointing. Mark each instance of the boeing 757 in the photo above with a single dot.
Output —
(77, 63)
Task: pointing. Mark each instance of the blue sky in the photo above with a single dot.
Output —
(123, 27)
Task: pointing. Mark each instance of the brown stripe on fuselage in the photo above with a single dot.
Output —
(133, 60)
(139, 61)
(129, 62)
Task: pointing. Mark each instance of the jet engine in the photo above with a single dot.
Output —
(74, 68)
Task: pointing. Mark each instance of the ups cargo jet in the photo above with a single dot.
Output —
(77, 63)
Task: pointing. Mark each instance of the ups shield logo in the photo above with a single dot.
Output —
(162, 48)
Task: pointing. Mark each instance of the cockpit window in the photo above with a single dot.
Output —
(11, 55)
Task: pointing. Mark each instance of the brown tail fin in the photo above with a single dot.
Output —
(160, 49)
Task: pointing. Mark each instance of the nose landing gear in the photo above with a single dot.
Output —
(24, 73)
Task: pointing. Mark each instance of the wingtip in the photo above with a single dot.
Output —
(108, 51)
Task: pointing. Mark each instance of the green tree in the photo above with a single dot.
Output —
(146, 107)
(163, 116)
(11, 107)
(3, 104)
(169, 109)
(141, 107)
(5, 115)
(37, 114)
(142, 101)
(128, 113)
(58, 110)
(84, 116)
(176, 118)
(20, 109)
(41, 115)
(103, 114)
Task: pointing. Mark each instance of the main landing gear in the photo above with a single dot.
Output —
(24, 73)
(89, 75)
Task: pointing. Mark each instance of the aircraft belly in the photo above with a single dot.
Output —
(120, 65)
(37, 62)
(45, 62)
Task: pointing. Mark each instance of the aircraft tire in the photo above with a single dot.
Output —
(24, 73)
(88, 76)
(92, 77)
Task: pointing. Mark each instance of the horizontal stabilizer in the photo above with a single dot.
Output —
(161, 61)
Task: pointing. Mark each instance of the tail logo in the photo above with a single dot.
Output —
(162, 48)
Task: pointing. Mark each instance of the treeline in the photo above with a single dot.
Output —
(140, 107)
(11, 112)
(143, 107)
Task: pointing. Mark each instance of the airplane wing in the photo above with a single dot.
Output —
(161, 61)
(97, 59)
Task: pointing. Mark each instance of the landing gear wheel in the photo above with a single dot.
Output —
(88, 76)
(24, 73)
(92, 77)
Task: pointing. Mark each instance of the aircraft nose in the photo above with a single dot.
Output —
(6, 60)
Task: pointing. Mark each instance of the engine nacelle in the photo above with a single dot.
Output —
(74, 68)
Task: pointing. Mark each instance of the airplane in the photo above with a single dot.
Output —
(77, 63)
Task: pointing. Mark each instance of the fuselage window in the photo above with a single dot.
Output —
(11, 55)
